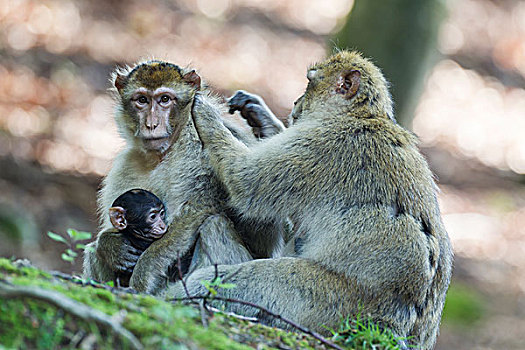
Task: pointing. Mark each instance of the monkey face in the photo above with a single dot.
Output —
(155, 227)
(153, 111)
(140, 214)
(155, 97)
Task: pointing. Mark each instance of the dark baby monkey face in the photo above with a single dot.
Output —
(155, 96)
(139, 213)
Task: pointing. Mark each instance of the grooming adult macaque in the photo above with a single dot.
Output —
(139, 216)
(165, 155)
(363, 200)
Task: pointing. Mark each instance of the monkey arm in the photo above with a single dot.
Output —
(112, 255)
(262, 180)
(252, 108)
(217, 242)
(151, 272)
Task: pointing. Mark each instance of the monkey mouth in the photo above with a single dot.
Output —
(156, 143)
(157, 235)
(150, 236)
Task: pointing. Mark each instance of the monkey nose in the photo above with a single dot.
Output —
(152, 125)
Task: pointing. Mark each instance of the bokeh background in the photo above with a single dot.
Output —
(458, 77)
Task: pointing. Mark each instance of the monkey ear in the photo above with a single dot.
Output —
(193, 79)
(348, 83)
(117, 215)
(120, 81)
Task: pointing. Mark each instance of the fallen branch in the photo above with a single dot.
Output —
(70, 306)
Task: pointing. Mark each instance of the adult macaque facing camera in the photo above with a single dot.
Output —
(164, 155)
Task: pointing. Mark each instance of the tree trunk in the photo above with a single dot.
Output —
(400, 37)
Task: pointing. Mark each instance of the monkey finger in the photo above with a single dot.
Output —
(255, 115)
(124, 267)
(233, 109)
(257, 132)
(131, 250)
(240, 99)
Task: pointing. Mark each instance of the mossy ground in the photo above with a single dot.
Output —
(34, 324)
(31, 323)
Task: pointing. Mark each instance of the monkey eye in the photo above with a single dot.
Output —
(165, 100)
(162, 214)
(142, 100)
(153, 216)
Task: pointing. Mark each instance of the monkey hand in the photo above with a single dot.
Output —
(252, 108)
(240, 99)
(117, 252)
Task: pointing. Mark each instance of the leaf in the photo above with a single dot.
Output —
(79, 235)
(85, 247)
(66, 257)
(208, 285)
(110, 283)
(227, 285)
(71, 253)
(56, 237)
(83, 235)
(72, 232)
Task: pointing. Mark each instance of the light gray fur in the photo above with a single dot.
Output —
(364, 203)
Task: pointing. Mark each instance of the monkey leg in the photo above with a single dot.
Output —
(297, 289)
(218, 243)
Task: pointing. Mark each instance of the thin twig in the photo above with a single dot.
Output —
(202, 307)
(208, 296)
(179, 267)
(269, 313)
(233, 314)
(71, 306)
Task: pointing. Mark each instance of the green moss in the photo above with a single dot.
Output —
(34, 324)
(463, 307)
(7, 266)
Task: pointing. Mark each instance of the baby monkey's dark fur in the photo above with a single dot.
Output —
(140, 217)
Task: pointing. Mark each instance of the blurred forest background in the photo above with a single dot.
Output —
(458, 77)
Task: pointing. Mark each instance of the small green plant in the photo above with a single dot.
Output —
(73, 247)
(214, 285)
(363, 334)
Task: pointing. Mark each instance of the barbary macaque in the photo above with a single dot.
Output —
(164, 155)
(361, 197)
(139, 216)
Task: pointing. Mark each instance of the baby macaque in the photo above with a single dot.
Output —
(139, 215)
